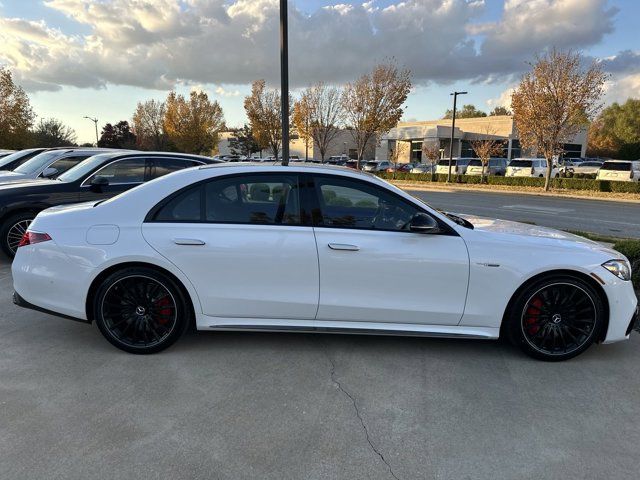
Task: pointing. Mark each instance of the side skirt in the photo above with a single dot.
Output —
(359, 328)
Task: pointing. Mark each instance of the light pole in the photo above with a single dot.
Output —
(284, 79)
(453, 128)
(95, 122)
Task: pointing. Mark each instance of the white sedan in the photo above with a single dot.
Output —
(304, 248)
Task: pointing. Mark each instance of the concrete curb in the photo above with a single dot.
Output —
(407, 185)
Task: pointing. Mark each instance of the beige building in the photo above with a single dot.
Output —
(408, 138)
(342, 144)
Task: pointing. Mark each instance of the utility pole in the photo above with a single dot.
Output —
(453, 128)
(95, 122)
(284, 79)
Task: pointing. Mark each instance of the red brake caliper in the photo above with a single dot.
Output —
(165, 312)
(533, 315)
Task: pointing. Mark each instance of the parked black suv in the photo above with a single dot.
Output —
(98, 177)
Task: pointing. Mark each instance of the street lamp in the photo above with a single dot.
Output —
(453, 127)
(95, 122)
(284, 79)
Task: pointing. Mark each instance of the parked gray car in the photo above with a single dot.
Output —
(49, 164)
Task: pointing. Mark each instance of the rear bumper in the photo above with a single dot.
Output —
(21, 302)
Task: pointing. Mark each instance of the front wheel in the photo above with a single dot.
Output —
(140, 310)
(12, 231)
(556, 318)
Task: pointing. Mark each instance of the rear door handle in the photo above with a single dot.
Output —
(344, 246)
(188, 241)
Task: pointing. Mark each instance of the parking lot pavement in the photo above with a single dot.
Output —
(294, 406)
(614, 219)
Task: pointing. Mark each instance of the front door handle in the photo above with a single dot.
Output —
(344, 246)
(188, 241)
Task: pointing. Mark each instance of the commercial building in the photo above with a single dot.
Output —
(408, 137)
(405, 141)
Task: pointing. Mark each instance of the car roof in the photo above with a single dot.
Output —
(111, 154)
(277, 166)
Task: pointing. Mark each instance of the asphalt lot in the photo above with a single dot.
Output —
(283, 406)
(615, 219)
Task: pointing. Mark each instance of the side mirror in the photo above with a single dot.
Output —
(423, 223)
(49, 172)
(98, 183)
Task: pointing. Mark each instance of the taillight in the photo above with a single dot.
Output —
(631, 175)
(533, 170)
(31, 238)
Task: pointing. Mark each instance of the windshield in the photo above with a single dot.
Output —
(22, 154)
(618, 166)
(85, 167)
(520, 163)
(37, 163)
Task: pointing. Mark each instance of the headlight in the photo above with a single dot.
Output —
(619, 268)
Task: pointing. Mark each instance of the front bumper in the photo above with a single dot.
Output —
(634, 324)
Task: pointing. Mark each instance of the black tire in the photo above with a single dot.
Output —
(12, 230)
(140, 310)
(555, 318)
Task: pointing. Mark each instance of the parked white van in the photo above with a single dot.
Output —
(458, 166)
(529, 167)
(620, 170)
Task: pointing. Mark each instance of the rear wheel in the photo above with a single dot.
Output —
(556, 318)
(140, 310)
(12, 231)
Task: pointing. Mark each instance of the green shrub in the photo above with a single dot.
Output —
(584, 182)
(631, 250)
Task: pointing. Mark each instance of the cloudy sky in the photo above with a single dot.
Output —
(100, 57)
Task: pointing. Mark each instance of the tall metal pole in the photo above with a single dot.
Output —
(95, 123)
(284, 79)
(453, 129)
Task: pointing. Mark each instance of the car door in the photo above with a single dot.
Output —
(245, 244)
(373, 269)
(122, 175)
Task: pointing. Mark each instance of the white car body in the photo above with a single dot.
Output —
(375, 166)
(587, 167)
(458, 166)
(280, 277)
(620, 171)
(529, 167)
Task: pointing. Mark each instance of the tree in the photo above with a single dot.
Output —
(499, 111)
(117, 136)
(486, 147)
(318, 115)
(262, 107)
(193, 125)
(554, 101)
(467, 111)
(616, 131)
(373, 104)
(242, 142)
(148, 125)
(53, 133)
(431, 152)
(16, 114)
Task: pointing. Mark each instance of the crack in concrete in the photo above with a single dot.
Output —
(357, 410)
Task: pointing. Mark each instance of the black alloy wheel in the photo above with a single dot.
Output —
(140, 310)
(556, 319)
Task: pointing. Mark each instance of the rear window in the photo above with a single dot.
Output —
(520, 163)
(372, 164)
(475, 163)
(446, 162)
(617, 166)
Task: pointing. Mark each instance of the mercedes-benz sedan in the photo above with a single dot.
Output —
(304, 248)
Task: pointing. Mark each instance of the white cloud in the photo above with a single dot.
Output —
(220, 91)
(502, 100)
(159, 43)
